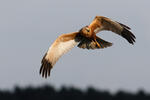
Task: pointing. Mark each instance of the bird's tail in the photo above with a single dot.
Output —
(87, 43)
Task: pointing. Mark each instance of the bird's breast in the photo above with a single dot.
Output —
(88, 35)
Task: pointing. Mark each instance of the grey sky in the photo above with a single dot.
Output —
(28, 27)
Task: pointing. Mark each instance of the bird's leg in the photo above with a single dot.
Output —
(94, 36)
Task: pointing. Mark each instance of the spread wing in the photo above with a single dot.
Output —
(60, 46)
(102, 23)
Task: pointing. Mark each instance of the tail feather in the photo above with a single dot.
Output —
(87, 43)
(103, 43)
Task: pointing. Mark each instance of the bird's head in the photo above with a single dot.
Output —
(85, 31)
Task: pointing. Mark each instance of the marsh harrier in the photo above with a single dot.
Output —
(85, 38)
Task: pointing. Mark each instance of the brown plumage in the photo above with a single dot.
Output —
(101, 23)
(85, 38)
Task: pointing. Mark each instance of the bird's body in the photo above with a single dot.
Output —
(85, 38)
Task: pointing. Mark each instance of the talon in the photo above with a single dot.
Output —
(96, 42)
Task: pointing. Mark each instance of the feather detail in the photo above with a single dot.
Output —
(101, 23)
(61, 45)
(87, 43)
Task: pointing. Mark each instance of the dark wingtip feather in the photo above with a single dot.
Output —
(45, 67)
(129, 36)
(125, 26)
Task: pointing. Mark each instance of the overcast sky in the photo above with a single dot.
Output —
(28, 28)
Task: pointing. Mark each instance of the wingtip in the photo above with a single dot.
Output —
(128, 35)
(45, 68)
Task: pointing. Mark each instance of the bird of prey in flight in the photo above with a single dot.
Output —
(85, 38)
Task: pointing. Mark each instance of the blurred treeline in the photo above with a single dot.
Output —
(68, 93)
